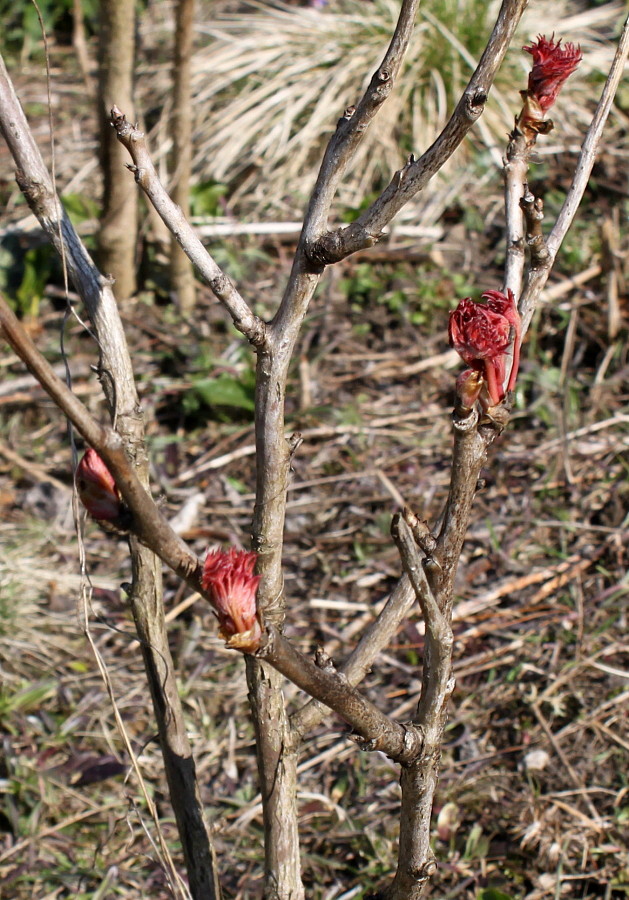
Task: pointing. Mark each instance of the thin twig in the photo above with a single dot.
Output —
(146, 176)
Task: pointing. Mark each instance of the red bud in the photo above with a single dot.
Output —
(97, 488)
(229, 579)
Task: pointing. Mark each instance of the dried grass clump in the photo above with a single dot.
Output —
(265, 109)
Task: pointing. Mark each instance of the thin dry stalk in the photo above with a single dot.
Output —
(181, 272)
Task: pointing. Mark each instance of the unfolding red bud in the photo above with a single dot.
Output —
(507, 307)
(481, 333)
(229, 579)
(468, 387)
(552, 66)
(97, 489)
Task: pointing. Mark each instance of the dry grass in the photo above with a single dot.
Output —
(271, 83)
(271, 80)
(542, 661)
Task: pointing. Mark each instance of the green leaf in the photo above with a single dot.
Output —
(78, 666)
(28, 698)
(225, 390)
(79, 208)
(493, 894)
(36, 266)
(477, 845)
(205, 198)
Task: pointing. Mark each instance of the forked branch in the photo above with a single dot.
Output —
(149, 525)
(416, 174)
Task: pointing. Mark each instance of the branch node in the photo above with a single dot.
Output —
(424, 871)
(347, 115)
(323, 660)
(496, 418)
(362, 744)
(533, 209)
(294, 443)
(413, 742)
(464, 420)
(473, 105)
(325, 251)
(422, 534)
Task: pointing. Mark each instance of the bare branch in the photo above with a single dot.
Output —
(273, 454)
(436, 671)
(412, 564)
(416, 861)
(470, 449)
(366, 230)
(146, 176)
(148, 523)
(353, 125)
(375, 638)
(377, 731)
